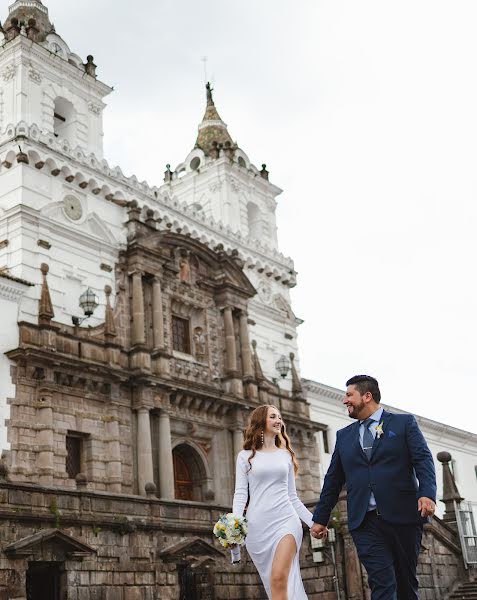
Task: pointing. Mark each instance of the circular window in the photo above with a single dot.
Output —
(195, 163)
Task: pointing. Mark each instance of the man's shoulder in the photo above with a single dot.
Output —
(346, 430)
(402, 417)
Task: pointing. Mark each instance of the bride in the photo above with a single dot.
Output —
(265, 475)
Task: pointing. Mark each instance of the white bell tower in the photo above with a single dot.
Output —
(43, 83)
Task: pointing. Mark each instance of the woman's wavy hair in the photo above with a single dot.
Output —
(253, 434)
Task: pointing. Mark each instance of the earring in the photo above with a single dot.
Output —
(262, 437)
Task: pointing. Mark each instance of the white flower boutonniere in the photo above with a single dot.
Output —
(379, 430)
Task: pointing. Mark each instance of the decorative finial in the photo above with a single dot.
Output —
(45, 313)
(209, 90)
(297, 388)
(89, 66)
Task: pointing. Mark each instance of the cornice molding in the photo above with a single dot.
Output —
(122, 189)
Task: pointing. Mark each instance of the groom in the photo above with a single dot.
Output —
(391, 487)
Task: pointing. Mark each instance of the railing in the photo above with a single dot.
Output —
(467, 532)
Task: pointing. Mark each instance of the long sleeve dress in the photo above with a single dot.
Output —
(274, 511)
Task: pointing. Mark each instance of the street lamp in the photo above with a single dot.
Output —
(88, 301)
(282, 366)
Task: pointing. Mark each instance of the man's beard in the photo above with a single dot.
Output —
(354, 413)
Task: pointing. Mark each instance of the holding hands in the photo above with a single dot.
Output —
(318, 531)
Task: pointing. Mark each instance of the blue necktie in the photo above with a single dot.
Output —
(368, 439)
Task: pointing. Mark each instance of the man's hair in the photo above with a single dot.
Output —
(366, 383)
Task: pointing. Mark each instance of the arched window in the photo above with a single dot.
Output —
(189, 473)
(65, 120)
(254, 221)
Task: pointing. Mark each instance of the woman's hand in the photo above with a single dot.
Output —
(319, 531)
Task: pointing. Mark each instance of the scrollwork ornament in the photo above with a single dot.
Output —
(95, 109)
(9, 73)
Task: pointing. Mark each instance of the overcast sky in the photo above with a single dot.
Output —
(366, 115)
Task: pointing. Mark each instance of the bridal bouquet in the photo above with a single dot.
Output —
(231, 532)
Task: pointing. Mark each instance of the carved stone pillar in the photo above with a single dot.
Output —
(113, 466)
(231, 354)
(45, 438)
(157, 316)
(138, 335)
(145, 471)
(247, 364)
(166, 467)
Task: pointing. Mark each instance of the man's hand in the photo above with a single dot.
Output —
(426, 507)
(319, 531)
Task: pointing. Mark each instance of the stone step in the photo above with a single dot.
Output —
(466, 591)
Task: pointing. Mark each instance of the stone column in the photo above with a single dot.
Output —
(138, 336)
(113, 466)
(166, 467)
(247, 365)
(45, 438)
(237, 441)
(145, 471)
(231, 355)
(157, 316)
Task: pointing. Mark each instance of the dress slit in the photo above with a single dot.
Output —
(274, 552)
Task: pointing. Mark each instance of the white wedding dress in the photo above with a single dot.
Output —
(274, 511)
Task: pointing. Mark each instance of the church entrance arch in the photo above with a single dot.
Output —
(189, 473)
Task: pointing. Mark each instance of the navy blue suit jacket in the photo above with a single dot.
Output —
(400, 471)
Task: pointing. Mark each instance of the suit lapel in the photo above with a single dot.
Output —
(385, 418)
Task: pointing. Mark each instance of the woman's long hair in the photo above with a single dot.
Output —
(253, 434)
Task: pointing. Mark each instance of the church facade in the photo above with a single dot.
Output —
(141, 325)
(121, 432)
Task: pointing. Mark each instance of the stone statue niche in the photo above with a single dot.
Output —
(199, 343)
(184, 267)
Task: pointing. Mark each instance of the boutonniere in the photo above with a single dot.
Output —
(379, 430)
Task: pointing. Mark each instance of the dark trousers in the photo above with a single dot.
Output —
(389, 553)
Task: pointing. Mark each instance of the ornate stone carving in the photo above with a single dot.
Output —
(184, 269)
(34, 75)
(95, 109)
(9, 72)
(199, 341)
(264, 291)
(216, 186)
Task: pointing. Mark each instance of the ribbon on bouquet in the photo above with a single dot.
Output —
(235, 553)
